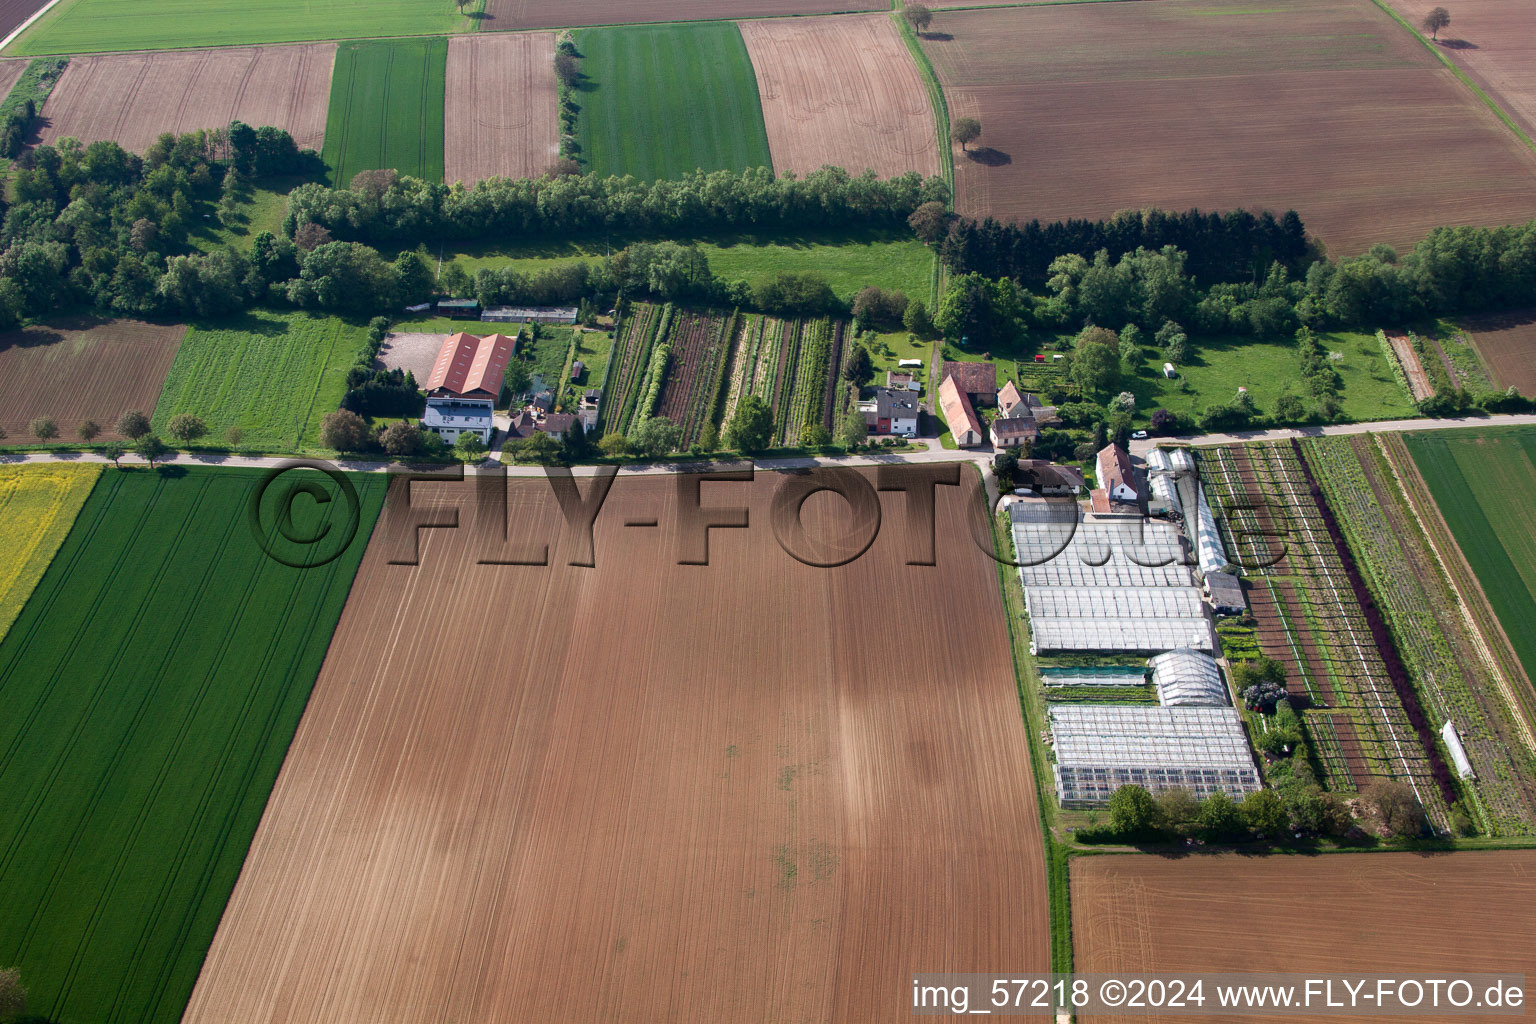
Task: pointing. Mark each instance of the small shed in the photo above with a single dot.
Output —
(459, 309)
(577, 369)
(1226, 593)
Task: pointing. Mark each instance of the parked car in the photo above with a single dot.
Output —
(1139, 435)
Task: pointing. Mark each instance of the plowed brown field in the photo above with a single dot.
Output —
(82, 369)
(1324, 106)
(501, 114)
(841, 91)
(1369, 912)
(1494, 42)
(1507, 343)
(745, 791)
(131, 98)
(504, 14)
(10, 71)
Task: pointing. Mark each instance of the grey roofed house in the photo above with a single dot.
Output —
(1014, 430)
(565, 315)
(557, 423)
(891, 405)
(1226, 593)
(593, 395)
(1047, 477)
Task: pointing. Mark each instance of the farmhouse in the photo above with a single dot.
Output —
(558, 315)
(586, 409)
(1100, 748)
(1017, 430)
(1045, 477)
(958, 413)
(977, 381)
(1115, 475)
(891, 412)
(470, 367)
(464, 385)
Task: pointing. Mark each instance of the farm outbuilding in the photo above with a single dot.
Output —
(471, 367)
(459, 309)
(1100, 748)
(1226, 593)
(964, 427)
(1188, 678)
(561, 316)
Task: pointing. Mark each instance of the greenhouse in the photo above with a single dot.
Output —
(1186, 678)
(1100, 748)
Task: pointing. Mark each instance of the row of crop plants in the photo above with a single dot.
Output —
(746, 343)
(700, 344)
(1362, 665)
(1422, 611)
(804, 389)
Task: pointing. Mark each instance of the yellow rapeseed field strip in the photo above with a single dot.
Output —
(38, 504)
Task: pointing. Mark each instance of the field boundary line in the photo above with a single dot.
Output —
(1466, 79)
(936, 98)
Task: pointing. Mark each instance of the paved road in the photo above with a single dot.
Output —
(933, 453)
(1379, 427)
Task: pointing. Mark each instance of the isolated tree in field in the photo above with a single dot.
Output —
(965, 131)
(401, 439)
(614, 445)
(186, 427)
(1436, 20)
(43, 428)
(113, 450)
(1133, 811)
(852, 431)
(469, 447)
(656, 436)
(919, 16)
(133, 425)
(149, 448)
(1398, 806)
(13, 998)
(751, 426)
(345, 431)
(930, 221)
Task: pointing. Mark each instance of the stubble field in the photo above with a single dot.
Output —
(1378, 913)
(505, 14)
(643, 791)
(1507, 343)
(841, 91)
(1494, 42)
(501, 113)
(82, 369)
(1324, 106)
(133, 98)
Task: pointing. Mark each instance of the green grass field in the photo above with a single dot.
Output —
(387, 108)
(265, 211)
(1217, 367)
(1483, 480)
(87, 26)
(891, 261)
(273, 375)
(152, 685)
(663, 100)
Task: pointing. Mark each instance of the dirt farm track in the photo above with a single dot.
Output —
(1377, 913)
(747, 791)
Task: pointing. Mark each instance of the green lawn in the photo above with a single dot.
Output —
(152, 685)
(272, 374)
(886, 260)
(387, 108)
(1483, 480)
(660, 101)
(1217, 367)
(86, 26)
(265, 211)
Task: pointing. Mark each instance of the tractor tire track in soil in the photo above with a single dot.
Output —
(783, 825)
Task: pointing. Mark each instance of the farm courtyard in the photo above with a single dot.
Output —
(641, 791)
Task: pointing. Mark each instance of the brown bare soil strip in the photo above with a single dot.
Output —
(504, 14)
(1418, 381)
(643, 791)
(501, 113)
(10, 71)
(1367, 912)
(132, 98)
(80, 369)
(1323, 106)
(1507, 343)
(1494, 42)
(14, 12)
(842, 91)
